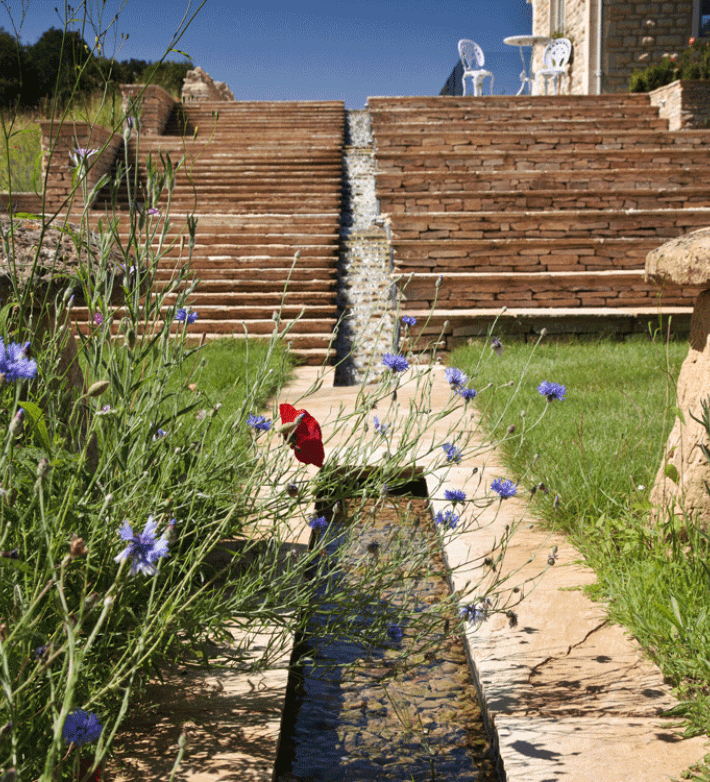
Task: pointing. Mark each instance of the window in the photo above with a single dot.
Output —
(701, 18)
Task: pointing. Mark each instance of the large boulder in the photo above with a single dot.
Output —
(683, 477)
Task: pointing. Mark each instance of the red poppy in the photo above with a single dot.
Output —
(306, 439)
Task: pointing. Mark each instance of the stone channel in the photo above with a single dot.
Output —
(394, 699)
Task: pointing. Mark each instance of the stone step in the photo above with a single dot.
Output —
(554, 160)
(521, 255)
(563, 224)
(655, 179)
(241, 312)
(412, 201)
(462, 324)
(268, 281)
(443, 139)
(217, 293)
(475, 123)
(542, 289)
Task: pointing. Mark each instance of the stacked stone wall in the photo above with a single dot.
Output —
(685, 104)
(58, 145)
(150, 105)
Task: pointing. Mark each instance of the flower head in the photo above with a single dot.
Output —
(455, 377)
(160, 434)
(497, 346)
(467, 394)
(81, 727)
(447, 518)
(475, 613)
(553, 391)
(143, 550)
(453, 454)
(15, 363)
(409, 320)
(504, 487)
(319, 523)
(182, 315)
(395, 633)
(304, 437)
(395, 363)
(379, 426)
(455, 495)
(258, 422)
(153, 211)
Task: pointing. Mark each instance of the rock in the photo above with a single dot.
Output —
(682, 477)
(199, 85)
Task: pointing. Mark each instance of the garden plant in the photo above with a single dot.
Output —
(117, 490)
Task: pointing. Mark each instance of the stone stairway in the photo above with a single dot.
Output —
(264, 180)
(544, 205)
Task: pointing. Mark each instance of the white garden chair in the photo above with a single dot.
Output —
(473, 61)
(554, 63)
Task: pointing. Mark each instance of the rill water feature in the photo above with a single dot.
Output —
(394, 697)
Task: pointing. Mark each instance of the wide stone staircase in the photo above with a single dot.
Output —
(546, 206)
(264, 181)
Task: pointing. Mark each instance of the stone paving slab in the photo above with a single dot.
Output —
(571, 695)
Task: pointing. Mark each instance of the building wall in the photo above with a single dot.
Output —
(635, 33)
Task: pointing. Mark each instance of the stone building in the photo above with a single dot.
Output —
(612, 38)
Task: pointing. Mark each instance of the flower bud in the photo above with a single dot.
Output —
(16, 424)
(77, 547)
(98, 388)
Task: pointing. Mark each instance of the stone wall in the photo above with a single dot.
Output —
(201, 86)
(684, 103)
(638, 33)
(149, 105)
(58, 145)
(21, 202)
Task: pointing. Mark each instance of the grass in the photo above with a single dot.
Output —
(596, 453)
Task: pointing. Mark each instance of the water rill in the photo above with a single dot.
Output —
(393, 696)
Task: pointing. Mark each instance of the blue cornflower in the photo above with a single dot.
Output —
(453, 454)
(497, 346)
(182, 315)
(475, 614)
(455, 495)
(160, 434)
(505, 488)
(258, 422)
(318, 523)
(408, 320)
(553, 391)
(448, 518)
(15, 362)
(81, 727)
(379, 426)
(466, 393)
(395, 363)
(395, 633)
(455, 377)
(144, 550)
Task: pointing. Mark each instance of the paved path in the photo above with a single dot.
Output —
(571, 696)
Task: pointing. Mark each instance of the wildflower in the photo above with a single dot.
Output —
(497, 346)
(144, 550)
(453, 454)
(106, 409)
(302, 432)
(15, 363)
(455, 495)
(691, 41)
(504, 487)
(553, 391)
(159, 435)
(467, 394)
(98, 318)
(80, 156)
(379, 426)
(292, 490)
(408, 320)
(259, 423)
(395, 363)
(318, 523)
(448, 518)
(182, 315)
(81, 727)
(395, 633)
(455, 377)
(153, 211)
(475, 613)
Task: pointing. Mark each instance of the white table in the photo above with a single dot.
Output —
(531, 41)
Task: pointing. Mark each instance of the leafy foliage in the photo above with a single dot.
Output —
(692, 63)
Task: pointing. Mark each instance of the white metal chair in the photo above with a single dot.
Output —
(473, 61)
(554, 63)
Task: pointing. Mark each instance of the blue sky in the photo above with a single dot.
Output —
(309, 50)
